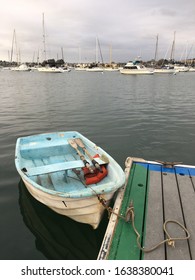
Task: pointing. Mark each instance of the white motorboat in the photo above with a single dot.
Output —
(136, 68)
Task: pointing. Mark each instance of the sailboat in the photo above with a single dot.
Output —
(164, 69)
(20, 67)
(80, 66)
(110, 67)
(94, 67)
(23, 67)
(182, 66)
(47, 69)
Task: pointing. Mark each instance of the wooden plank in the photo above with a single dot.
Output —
(154, 219)
(170, 196)
(187, 194)
(124, 245)
(173, 211)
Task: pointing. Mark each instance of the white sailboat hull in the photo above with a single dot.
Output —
(95, 69)
(49, 70)
(165, 71)
(111, 69)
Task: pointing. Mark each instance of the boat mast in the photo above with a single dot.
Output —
(188, 54)
(173, 48)
(96, 50)
(62, 52)
(12, 49)
(18, 57)
(100, 50)
(79, 54)
(38, 57)
(110, 55)
(44, 44)
(156, 49)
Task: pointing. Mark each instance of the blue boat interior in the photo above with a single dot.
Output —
(50, 162)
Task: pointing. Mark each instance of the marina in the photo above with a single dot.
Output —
(147, 116)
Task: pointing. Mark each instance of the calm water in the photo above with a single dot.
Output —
(152, 117)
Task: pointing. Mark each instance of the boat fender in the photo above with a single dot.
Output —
(97, 176)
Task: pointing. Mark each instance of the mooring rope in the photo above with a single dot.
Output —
(169, 240)
(130, 216)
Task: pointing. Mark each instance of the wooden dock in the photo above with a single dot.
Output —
(156, 193)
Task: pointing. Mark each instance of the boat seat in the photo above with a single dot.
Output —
(55, 167)
(43, 144)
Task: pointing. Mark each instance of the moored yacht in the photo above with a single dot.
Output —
(49, 70)
(94, 68)
(80, 67)
(166, 69)
(181, 68)
(111, 69)
(191, 69)
(22, 67)
(136, 68)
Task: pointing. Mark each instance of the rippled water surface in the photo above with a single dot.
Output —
(152, 117)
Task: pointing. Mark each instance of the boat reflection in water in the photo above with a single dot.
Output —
(59, 237)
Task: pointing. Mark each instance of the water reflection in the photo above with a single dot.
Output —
(57, 236)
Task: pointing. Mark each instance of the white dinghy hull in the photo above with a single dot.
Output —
(51, 171)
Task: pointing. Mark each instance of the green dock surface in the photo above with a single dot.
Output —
(158, 194)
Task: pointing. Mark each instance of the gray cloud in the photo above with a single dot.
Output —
(130, 26)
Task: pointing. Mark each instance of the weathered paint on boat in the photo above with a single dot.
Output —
(77, 242)
(45, 163)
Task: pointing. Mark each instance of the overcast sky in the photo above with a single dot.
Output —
(129, 26)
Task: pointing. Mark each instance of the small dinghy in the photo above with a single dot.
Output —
(69, 173)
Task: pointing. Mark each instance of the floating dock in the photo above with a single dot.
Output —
(153, 217)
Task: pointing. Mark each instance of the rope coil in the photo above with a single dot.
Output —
(130, 217)
(169, 240)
